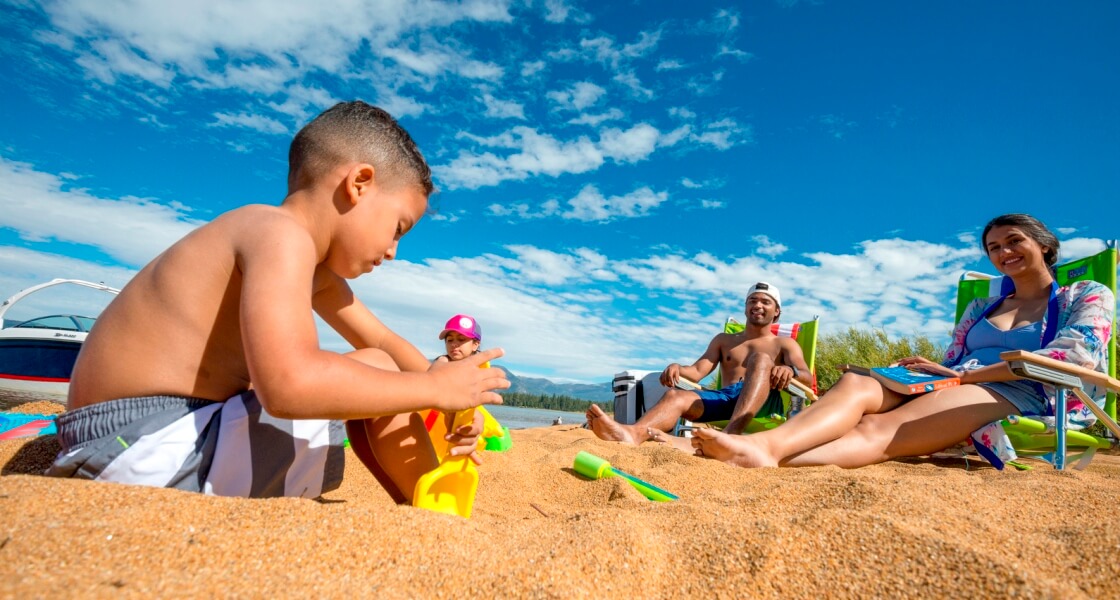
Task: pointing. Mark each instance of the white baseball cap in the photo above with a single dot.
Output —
(769, 290)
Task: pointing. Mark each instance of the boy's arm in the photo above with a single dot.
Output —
(335, 302)
(294, 378)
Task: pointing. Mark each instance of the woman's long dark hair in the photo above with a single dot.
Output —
(1030, 226)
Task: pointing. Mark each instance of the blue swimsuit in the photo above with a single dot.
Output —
(983, 346)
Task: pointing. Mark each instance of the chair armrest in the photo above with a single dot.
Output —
(688, 384)
(1095, 377)
(800, 389)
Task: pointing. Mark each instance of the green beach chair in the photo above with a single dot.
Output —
(771, 416)
(1054, 442)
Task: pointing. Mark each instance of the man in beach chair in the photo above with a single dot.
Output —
(758, 362)
(1044, 436)
(782, 407)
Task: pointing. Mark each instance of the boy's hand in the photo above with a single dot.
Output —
(462, 384)
(464, 440)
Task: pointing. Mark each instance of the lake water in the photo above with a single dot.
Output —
(517, 417)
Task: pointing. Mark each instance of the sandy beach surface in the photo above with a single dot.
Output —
(904, 529)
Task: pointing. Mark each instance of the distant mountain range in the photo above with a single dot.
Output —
(597, 392)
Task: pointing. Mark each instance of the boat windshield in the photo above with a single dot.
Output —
(86, 323)
(62, 322)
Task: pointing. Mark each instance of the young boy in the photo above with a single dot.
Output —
(205, 373)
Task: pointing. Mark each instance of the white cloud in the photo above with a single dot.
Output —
(603, 50)
(535, 153)
(707, 184)
(682, 112)
(579, 96)
(631, 82)
(528, 69)
(724, 134)
(502, 109)
(734, 53)
(629, 145)
(1075, 248)
(612, 114)
(768, 247)
(303, 102)
(669, 64)
(398, 105)
(559, 11)
(249, 121)
(590, 204)
(41, 206)
(269, 49)
(437, 59)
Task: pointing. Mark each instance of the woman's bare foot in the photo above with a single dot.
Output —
(736, 450)
(680, 443)
(607, 428)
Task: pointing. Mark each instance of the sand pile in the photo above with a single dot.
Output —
(903, 529)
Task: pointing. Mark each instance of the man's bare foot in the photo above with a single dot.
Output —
(680, 443)
(736, 450)
(607, 428)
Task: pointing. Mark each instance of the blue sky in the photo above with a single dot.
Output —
(613, 176)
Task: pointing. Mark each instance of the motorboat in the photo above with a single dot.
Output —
(37, 355)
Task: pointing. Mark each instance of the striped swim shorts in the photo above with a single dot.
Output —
(231, 448)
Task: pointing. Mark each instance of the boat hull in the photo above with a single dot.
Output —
(35, 364)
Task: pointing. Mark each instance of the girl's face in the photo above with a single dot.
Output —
(459, 346)
(1012, 251)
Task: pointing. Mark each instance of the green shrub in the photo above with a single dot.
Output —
(867, 348)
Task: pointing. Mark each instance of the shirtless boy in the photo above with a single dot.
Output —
(758, 362)
(206, 374)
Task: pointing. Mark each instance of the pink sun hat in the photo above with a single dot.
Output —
(463, 324)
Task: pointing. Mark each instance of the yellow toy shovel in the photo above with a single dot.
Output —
(450, 488)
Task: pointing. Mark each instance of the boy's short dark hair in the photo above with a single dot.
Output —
(357, 131)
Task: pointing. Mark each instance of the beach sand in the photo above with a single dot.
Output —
(904, 529)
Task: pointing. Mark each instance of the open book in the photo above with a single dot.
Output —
(905, 381)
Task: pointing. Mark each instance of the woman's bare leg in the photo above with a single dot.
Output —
(926, 424)
(834, 415)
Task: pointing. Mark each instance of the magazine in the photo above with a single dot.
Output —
(907, 381)
(904, 380)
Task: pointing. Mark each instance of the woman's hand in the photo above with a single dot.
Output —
(925, 365)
